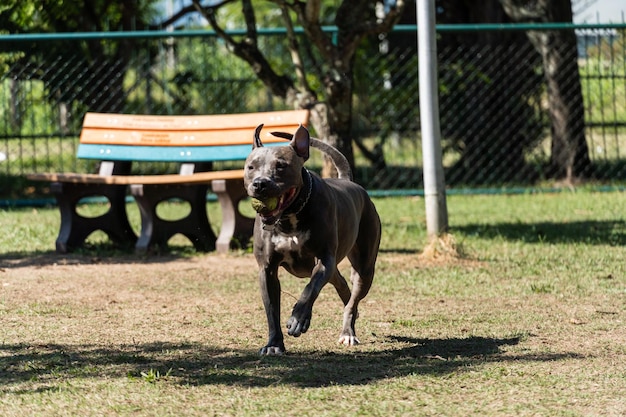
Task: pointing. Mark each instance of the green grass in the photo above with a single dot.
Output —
(531, 321)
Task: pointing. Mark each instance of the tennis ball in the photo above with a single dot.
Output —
(257, 204)
(264, 206)
(271, 203)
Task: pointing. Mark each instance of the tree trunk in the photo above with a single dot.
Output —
(485, 109)
(339, 96)
(15, 116)
(569, 157)
(569, 152)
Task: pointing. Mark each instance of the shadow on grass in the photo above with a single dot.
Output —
(43, 367)
(589, 232)
(97, 254)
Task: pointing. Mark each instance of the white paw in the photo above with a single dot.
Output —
(348, 340)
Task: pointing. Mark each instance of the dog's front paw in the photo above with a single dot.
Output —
(347, 340)
(272, 350)
(297, 326)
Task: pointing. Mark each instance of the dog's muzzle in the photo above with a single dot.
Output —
(268, 201)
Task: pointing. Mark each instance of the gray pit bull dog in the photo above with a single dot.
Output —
(308, 225)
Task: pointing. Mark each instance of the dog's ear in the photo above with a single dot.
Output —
(300, 142)
(257, 137)
(282, 135)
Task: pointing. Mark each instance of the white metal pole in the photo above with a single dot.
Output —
(434, 182)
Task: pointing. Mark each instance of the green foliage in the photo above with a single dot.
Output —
(268, 14)
(608, 47)
(152, 376)
(32, 16)
(602, 93)
(15, 15)
(542, 288)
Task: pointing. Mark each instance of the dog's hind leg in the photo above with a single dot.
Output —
(360, 287)
(363, 260)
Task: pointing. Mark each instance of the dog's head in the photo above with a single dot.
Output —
(273, 174)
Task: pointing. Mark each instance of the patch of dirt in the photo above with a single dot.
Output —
(78, 320)
(169, 261)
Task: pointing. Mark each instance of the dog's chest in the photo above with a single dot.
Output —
(292, 243)
(291, 248)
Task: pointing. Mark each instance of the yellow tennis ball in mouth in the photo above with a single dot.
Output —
(264, 206)
(257, 204)
(271, 203)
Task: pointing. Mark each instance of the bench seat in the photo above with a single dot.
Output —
(195, 178)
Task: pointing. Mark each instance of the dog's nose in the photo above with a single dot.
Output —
(260, 184)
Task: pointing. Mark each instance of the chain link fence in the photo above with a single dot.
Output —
(496, 103)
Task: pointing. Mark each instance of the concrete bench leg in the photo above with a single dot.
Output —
(76, 228)
(236, 228)
(156, 231)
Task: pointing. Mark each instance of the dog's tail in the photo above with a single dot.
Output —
(339, 160)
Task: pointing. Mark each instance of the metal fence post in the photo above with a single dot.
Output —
(434, 183)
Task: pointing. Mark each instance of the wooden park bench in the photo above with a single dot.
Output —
(195, 143)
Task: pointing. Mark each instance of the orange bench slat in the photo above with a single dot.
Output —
(157, 137)
(196, 122)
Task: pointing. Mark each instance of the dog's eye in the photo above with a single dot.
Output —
(280, 165)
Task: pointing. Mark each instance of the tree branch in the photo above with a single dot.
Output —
(312, 28)
(209, 15)
(170, 20)
(524, 12)
(248, 15)
(292, 44)
(356, 30)
(312, 10)
(248, 49)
